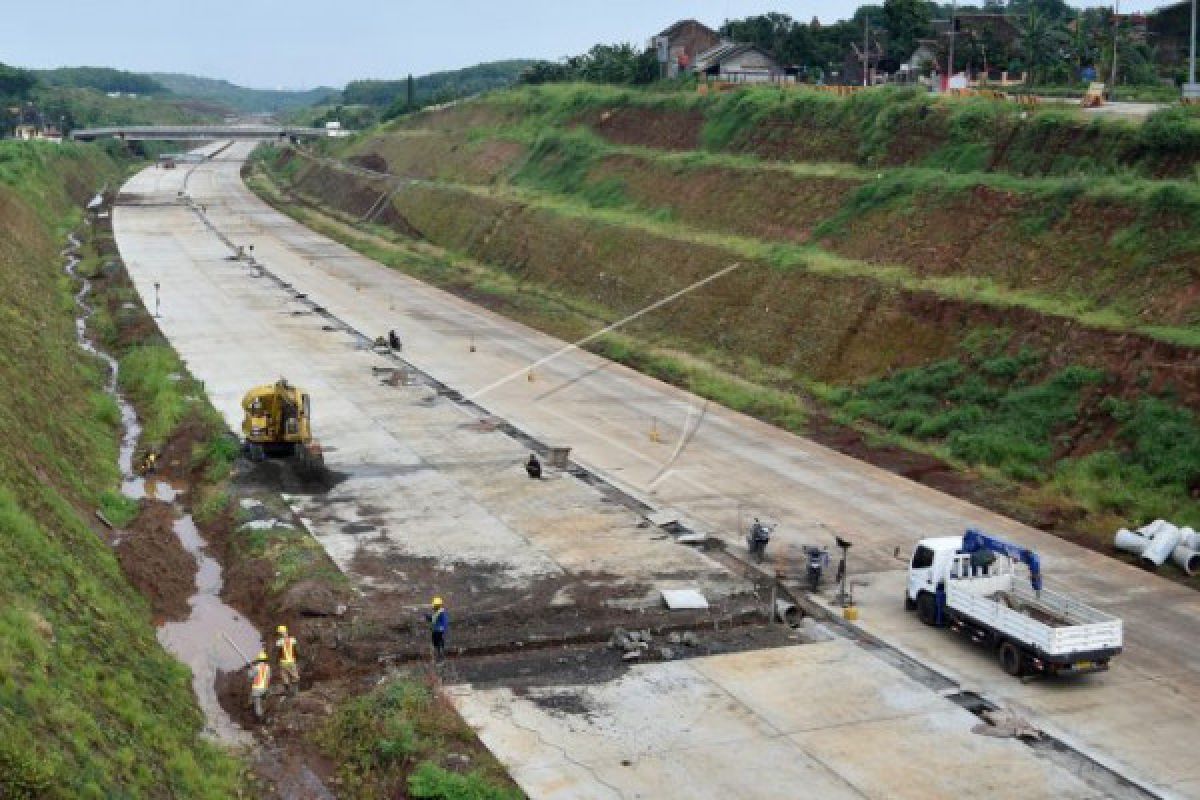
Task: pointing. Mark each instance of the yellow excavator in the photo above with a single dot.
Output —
(277, 424)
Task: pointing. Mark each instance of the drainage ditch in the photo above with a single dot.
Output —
(199, 640)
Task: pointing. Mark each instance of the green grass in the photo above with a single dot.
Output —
(398, 735)
(992, 410)
(295, 555)
(878, 126)
(158, 384)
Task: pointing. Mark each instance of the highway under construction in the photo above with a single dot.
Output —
(564, 657)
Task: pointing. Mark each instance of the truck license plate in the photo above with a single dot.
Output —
(1085, 665)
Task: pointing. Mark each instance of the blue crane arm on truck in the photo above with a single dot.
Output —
(976, 541)
(969, 584)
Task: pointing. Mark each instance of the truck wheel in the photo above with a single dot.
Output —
(1011, 660)
(927, 608)
(909, 603)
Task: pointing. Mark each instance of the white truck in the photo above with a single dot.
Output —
(969, 583)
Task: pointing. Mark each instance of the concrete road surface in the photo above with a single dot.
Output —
(713, 467)
(823, 721)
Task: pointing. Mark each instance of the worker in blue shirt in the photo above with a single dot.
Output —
(439, 625)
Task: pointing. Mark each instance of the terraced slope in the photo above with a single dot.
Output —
(978, 292)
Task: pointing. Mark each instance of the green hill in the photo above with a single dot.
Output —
(437, 86)
(240, 98)
(103, 79)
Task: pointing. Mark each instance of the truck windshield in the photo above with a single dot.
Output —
(922, 558)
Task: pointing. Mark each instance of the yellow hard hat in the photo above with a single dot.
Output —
(262, 656)
(437, 601)
(281, 629)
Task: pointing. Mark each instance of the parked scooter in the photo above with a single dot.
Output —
(758, 538)
(818, 562)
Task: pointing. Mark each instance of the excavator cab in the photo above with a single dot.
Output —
(277, 424)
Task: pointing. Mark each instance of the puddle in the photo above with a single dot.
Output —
(199, 641)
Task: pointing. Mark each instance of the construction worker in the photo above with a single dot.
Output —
(260, 684)
(394, 340)
(533, 467)
(149, 462)
(439, 626)
(288, 671)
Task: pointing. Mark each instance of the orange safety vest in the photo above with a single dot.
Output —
(262, 676)
(287, 648)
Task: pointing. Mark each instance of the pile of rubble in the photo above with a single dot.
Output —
(1160, 540)
(636, 644)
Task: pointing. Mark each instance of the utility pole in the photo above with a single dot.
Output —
(1112, 80)
(1191, 89)
(867, 46)
(953, 36)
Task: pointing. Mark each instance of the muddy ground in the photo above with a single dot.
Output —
(155, 561)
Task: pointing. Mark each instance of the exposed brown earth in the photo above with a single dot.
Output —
(834, 328)
(155, 562)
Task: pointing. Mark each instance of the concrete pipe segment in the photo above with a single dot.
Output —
(1130, 541)
(1186, 559)
(1162, 543)
(1189, 538)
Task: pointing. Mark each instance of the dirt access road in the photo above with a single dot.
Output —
(429, 489)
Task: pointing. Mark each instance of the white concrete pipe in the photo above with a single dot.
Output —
(1189, 538)
(1130, 542)
(1186, 559)
(1165, 540)
(1154, 527)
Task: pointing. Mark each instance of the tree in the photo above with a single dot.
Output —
(906, 21)
(16, 83)
(1043, 41)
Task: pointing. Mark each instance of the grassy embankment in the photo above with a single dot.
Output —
(90, 704)
(399, 740)
(1038, 401)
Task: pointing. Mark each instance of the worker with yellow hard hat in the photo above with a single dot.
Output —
(439, 626)
(260, 684)
(288, 671)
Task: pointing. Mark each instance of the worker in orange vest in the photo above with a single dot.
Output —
(260, 684)
(288, 671)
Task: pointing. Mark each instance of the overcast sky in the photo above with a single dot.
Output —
(304, 43)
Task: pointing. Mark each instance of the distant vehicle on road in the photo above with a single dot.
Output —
(969, 584)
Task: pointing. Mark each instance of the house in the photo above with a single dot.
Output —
(678, 45)
(732, 62)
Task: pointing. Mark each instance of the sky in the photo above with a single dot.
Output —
(304, 43)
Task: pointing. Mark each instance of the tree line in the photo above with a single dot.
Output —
(1048, 39)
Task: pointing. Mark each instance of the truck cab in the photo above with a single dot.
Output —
(930, 565)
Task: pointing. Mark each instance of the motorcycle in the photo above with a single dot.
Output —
(758, 538)
(817, 562)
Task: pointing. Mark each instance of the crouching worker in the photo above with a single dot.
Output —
(260, 684)
(289, 673)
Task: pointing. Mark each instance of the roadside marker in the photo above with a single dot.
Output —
(654, 435)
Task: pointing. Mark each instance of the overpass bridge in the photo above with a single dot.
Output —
(200, 133)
